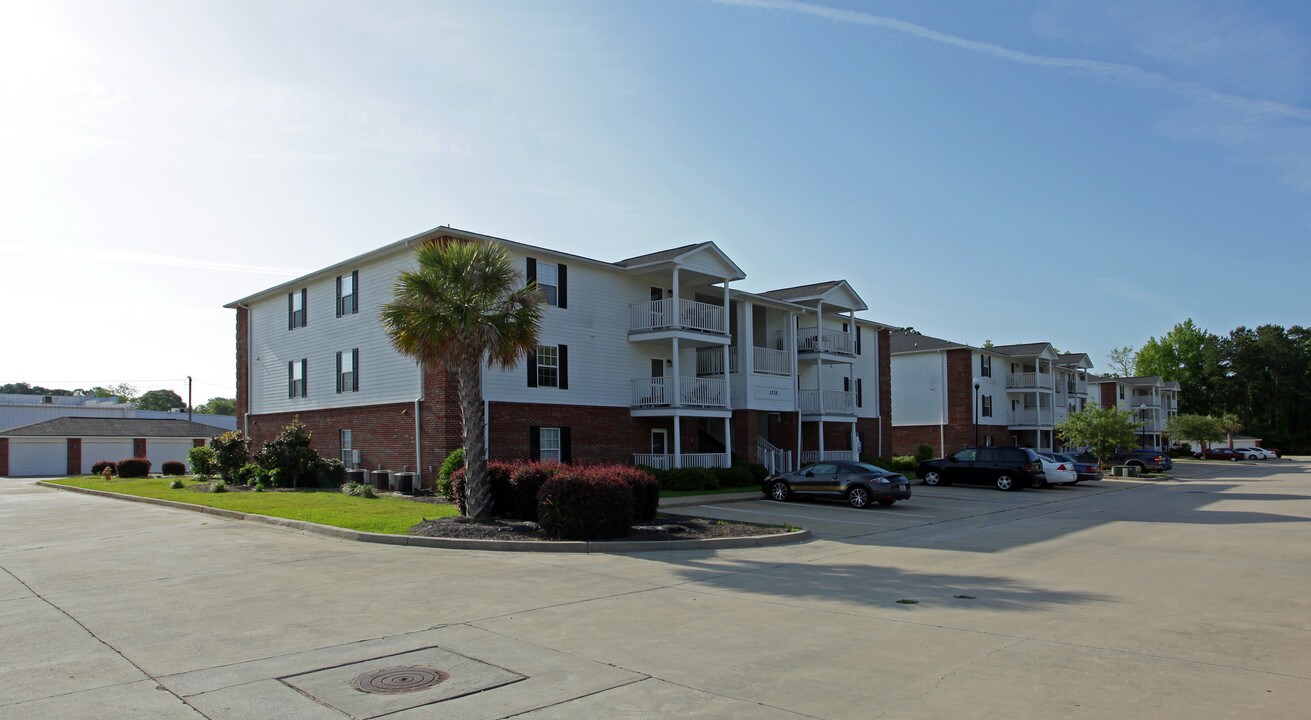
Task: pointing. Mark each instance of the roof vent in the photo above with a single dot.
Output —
(47, 400)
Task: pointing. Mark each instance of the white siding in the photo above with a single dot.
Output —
(30, 457)
(162, 450)
(919, 387)
(866, 368)
(112, 449)
(994, 387)
(385, 375)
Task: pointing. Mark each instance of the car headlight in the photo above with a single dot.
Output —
(883, 481)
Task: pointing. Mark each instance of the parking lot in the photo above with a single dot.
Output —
(1175, 599)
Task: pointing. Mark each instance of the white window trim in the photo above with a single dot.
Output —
(544, 451)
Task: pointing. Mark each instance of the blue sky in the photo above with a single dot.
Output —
(1087, 172)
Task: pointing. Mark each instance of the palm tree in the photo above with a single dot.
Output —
(1230, 424)
(460, 308)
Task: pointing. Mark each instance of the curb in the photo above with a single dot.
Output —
(712, 498)
(564, 546)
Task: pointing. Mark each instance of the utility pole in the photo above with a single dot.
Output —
(188, 398)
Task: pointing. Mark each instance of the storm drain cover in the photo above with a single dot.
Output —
(397, 680)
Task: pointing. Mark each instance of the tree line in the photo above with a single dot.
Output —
(163, 400)
(1261, 376)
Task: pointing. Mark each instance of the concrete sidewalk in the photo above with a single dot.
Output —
(1183, 599)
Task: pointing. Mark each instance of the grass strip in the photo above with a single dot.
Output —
(326, 507)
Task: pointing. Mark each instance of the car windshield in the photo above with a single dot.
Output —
(866, 467)
(1062, 458)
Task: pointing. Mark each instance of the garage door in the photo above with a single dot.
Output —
(93, 451)
(29, 458)
(162, 450)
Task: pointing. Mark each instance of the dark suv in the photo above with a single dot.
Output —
(1005, 468)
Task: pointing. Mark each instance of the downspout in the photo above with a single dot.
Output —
(418, 442)
(245, 416)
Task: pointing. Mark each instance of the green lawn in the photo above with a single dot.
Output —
(720, 491)
(327, 507)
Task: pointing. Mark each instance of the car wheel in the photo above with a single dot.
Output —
(1076, 482)
(1251, 457)
(857, 497)
(780, 491)
(886, 502)
(1040, 484)
(1233, 458)
(1005, 482)
(932, 478)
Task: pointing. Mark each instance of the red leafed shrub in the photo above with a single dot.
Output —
(133, 467)
(585, 505)
(98, 467)
(526, 480)
(643, 485)
(173, 467)
(498, 474)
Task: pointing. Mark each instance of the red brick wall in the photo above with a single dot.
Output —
(4, 456)
(139, 448)
(384, 434)
(597, 434)
(74, 456)
(907, 437)
(243, 368)
(1110, 395)
(882, 440)
(746, 428)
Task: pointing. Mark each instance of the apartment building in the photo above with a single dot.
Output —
(657, 359)
(949, 395)
(1151, 399)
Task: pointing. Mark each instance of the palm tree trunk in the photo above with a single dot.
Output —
(478, 493)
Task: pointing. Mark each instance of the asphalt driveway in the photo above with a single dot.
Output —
(1184, 598)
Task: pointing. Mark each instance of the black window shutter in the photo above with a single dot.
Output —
(566, 452)
(562, 286)
(846, 384)
(339, 388)
(857, 339)
(305, 307)
(534, 442)
(564, 367)
(859, 398)
(355, 291)
(531, 273)
(355, 369)
(532, 369)
(291, 379)
(339, 306)
(291, 311)
(305, 376)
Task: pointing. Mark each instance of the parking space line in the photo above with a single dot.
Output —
(790, 515)
(899, 513)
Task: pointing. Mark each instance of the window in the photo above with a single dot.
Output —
(551, 279)
(966, 455)
(1121, 392)
(348, 371)
(987, 441)
(550, 444)
(987, 406)
(346, 456)
(549, 367)
(857, 339)
(860, 400)
(846, 384)
(348, 293)
(296, 371)
(296, 301)
(985, 365)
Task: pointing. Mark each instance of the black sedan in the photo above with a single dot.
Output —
(1085, 466)
(858, 483)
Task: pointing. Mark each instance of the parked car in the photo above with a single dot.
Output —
(1144, 460)
(1217, 454)
(1085, 466)
(858, 483)
(1255, 453)
(1059, 469)
(1005, 468)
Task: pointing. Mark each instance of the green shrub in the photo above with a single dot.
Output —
(176, 484)
(203, 461)
(363, 490)
(329, 472)
(903, 463)
(260, 487)
(251, 474)
(498, 476)
(174, 467)
(923, 451)
(758, 472)
(877, 462)
(290, 455)
(218, 487)
(98, 467)
(133, 467)
(231, 453)
(736, 476)
(585, 506)
(454, 461)
(689, 479)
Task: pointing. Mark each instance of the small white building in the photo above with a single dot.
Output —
(71, 445)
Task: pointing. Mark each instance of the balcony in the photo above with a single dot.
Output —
(676, 314)
(1144, 401)
(826, 402)
(693, 393)
(765, 361)
(828, 342)
(1034, 380)
(665, 461)
(1033, 417)
(814, 456)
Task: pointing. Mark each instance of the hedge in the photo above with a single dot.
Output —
(98, 467)
(174, 467)
(585, 506)
(133, 467)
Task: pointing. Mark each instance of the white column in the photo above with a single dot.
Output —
(678, 311)
(678, 442)
(677, 399)
(856, 455)
(728, 378)
(728, 439)
(821, 438)
(851, 329)
(819, 375)
(747, 345)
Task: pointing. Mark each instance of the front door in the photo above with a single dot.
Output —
(659, 393)
(660, 448)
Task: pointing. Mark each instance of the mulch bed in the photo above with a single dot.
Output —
(664, 527)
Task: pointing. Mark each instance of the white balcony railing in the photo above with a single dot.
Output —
(1028, 380)
(771, 362)
(826, 402)
(677, 314)
(811, 340)
(1144, 401)
(774, 459)
(694, 392)
(710, 360)
(1030, 417)
(814, 456)
(665, 461)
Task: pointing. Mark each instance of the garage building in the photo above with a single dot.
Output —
(70, 445)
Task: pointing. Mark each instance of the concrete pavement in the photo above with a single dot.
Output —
(1175, 599)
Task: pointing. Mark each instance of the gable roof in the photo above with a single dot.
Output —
(820, 291)
(659, 256)
(1076, 359)
(904, 342)
(113, 427)
(1021, 349)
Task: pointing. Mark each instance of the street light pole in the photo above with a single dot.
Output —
(976, 412)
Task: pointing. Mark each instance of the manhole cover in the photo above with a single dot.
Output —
(397, 680)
